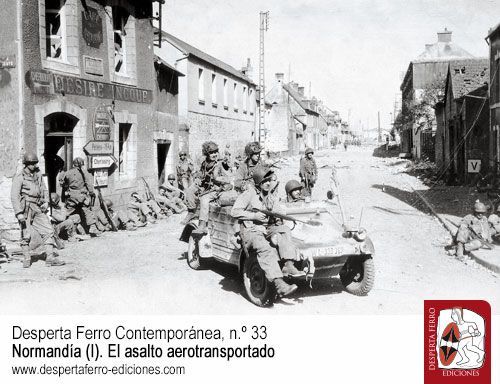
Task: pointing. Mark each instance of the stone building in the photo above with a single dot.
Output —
(494, 150)
(216, 101)
(427, 71)
(293, 121)
(82, 71)
(462, 135)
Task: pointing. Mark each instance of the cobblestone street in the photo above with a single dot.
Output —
(145, 272)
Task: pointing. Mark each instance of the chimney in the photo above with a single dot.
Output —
(248, 70)
(445, 36)
(302, 91)
(280, 77)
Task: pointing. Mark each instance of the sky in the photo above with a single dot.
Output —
(350, 53)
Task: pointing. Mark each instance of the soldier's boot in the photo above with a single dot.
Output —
(282, 288)
(93, 231)
(202, 228)
(51, 259)
(290, 270)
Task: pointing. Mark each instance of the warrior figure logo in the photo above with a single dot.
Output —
(461, 343)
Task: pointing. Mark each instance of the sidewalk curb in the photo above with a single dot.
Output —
(485, 263)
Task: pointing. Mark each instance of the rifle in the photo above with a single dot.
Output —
(286, 217)
(149, 194)
(105, 208)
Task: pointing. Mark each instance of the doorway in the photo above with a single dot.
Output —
(58, 147)
(162, 148)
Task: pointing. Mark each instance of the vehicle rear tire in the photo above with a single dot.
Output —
(193, 255)
(358, 275)
(258, 289)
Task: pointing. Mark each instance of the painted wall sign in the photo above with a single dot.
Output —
(69, 85)
(93, 66)
(8, 61)
(40, 82)
(101, 178)
(102, 123)
(473, 166)
(99, 148)
(92, 27)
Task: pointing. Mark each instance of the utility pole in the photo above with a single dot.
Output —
(264, 24)
(379, 132)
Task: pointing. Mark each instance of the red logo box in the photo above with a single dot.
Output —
(457, 342)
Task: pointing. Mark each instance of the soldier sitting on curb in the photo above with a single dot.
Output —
(494, 221)
(170, 196)
(64, 223)
(139, 210)
(474, 231)
(121, 219)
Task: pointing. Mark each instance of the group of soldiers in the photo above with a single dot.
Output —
(46, 220)
(477, 230)
(249, 185)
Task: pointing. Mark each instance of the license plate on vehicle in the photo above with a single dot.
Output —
(326, 251)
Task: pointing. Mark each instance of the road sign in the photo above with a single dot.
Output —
(474, 166)
(101, 178)
(99, 148)
(106, 161)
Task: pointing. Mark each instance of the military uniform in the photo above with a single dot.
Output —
(308, 174)
(64, 223)
(170, 198)
(470, 229)
(185, 170)
(79, 188)
(243, 176)
(139, 211)
(30, 198)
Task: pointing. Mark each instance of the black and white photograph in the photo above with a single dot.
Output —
(284, 161)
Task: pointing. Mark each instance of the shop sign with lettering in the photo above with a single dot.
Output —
(8, 61)
(102, 123)
(39, 82)
(92, 27)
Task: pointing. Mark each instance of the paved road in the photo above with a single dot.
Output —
(145, 272)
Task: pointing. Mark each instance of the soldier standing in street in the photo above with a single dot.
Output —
(254, 228)
(30, 202)
(474, 231)
(185, 170)
(214, 185)
(243, 175)
(79, 191)
(308, 171)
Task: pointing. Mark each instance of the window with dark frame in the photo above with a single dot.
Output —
(54, 28)
(123, 137)
(120, 17)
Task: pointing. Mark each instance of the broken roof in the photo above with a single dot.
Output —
(164, 63)
(188, 49)
(468, 75)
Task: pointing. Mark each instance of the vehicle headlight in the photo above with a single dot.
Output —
(360, 235)
(367, 247)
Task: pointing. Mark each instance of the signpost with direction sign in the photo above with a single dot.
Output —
(98, 162)
(94, 147)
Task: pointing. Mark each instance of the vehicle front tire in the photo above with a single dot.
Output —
(358, 275)
(258, 289)
(193, 255)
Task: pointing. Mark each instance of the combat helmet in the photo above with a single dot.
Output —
(252, 148)
(480, 207)
(78, 162)
(54, 198)
(292, 185)
(208, 147)
(108, 203)
(30, 158)
(171, 177)
(309, 150)
(262, 174)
